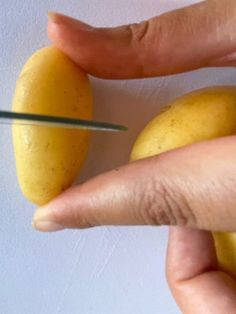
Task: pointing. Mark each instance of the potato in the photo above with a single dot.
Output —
(201, 115)
(48, 159)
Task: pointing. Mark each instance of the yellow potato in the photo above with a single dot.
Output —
(49, 159)
(201, 115)
(226, 250)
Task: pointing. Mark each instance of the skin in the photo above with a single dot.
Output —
(152, 191)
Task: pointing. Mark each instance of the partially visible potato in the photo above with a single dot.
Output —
(49, 159)
(201, 115)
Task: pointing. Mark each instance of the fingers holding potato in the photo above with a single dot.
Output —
(201, 115)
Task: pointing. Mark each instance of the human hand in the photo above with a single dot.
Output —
(161, 190)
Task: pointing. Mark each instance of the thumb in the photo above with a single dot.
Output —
(196, 36)
(193, 186)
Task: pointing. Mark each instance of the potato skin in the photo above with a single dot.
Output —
(201, 115)
(49, 159)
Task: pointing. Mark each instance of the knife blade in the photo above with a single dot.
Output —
(10, 117)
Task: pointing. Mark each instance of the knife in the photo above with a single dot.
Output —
(9, 117)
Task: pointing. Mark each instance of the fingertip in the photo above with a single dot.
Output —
(75, 38)
(53, 29)
(67, 21)
(46, 226)
(56, 27)
(54, 17)
(43, 220)
(55, 20)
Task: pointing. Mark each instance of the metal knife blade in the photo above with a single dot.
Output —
(10, 117)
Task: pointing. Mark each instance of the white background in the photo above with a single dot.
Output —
(104, 270)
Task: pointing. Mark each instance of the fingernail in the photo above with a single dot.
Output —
(42, 221)
(58, 18)
(54, 17)
(46, 226)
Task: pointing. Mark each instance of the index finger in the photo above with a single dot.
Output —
(193, 37)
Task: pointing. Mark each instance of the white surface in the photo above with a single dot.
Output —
(104, 270)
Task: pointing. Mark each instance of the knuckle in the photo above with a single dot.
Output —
(151, 36)
(161, 205)
(138, 34)
(139, 31)
(149, 32)
(157, 205)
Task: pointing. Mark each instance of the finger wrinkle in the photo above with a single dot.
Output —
(143, 37)
(161, 206)
(139, 31)
(150, 205)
